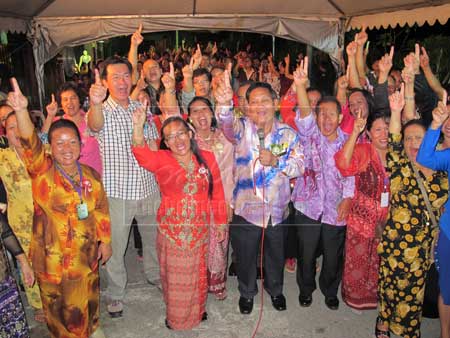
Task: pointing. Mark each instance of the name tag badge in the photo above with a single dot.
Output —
(82, 211)
(384, 199)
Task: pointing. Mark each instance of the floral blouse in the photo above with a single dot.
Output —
(62, 244)
(17, 182)
(409, 230)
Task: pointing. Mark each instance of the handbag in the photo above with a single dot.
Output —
(431, 296)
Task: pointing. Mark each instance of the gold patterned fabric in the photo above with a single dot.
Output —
(17, 183)
(405, 247)
(64, 249)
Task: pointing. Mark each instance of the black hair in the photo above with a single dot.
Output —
(256, 85)
(217, 67)
(375, 116)
(114, 60)
(314, 89)
(69, 86)
(210, 106)
(63, 123)
(11, 113)
(369, 99)
(329, 99)
(413, 122)
(201, 71)
(194, 148)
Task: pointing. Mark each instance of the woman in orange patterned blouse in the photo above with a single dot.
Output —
(71, 228)
(191, 188)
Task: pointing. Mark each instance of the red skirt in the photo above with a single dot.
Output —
(184, 282)
(360, 279)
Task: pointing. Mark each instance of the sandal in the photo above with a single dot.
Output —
(381, 333)
(221, 295)
(39, 316)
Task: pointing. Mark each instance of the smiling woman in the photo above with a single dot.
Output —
(69, 98)
(192, 203)
(71, 211)
(209, 138)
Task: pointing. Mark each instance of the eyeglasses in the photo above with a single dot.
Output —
(181, 135)
(196, 83)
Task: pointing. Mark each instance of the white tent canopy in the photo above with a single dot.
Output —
(54, 24)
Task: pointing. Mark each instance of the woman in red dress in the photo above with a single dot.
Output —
(192, 192)
(210, 138)
(367, 162)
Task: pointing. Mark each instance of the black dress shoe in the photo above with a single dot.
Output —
(332, 303)
(232, 270)
(204, 316)
(279, 302)
(305, 300)
(167, 324)
(245, 305)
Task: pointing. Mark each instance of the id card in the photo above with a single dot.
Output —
(82, 211)
(384, 199)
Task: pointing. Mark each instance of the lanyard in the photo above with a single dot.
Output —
(74, 185)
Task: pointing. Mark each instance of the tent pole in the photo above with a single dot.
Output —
(176, 39)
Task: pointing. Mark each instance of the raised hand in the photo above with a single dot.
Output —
(141, 83)
(397, 100)
(385, 63)
(412, 60)
(188, 70)
(287, 60)
(52, 107)
(361, 37)
(137, 38)
(197, 57)
(343, 81)
(16, 100)
(359, 124)
(224, 93)
(97, 92)
(408, 75)
(424, 59)
(140, 115)
(440, 113)
(301, 73)
(168, 79)
(351, 49)
(214, 49)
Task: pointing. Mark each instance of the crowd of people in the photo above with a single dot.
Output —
(210, 152)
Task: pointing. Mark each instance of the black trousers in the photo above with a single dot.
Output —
(245, 240)
(291, 243)
(314, 236)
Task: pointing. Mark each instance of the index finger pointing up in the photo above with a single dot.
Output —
(172, 70)
(226, 78)
(391, 53)
(15, 86)
(417, 50)
(98, 81)
(140, 28)
(53, 98)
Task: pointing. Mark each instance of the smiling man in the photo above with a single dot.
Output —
(267, 155)
(132, 191)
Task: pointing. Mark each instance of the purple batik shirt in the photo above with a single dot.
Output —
(322, 188)
(261, 193)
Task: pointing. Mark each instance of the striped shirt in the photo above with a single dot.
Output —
(122, 176)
